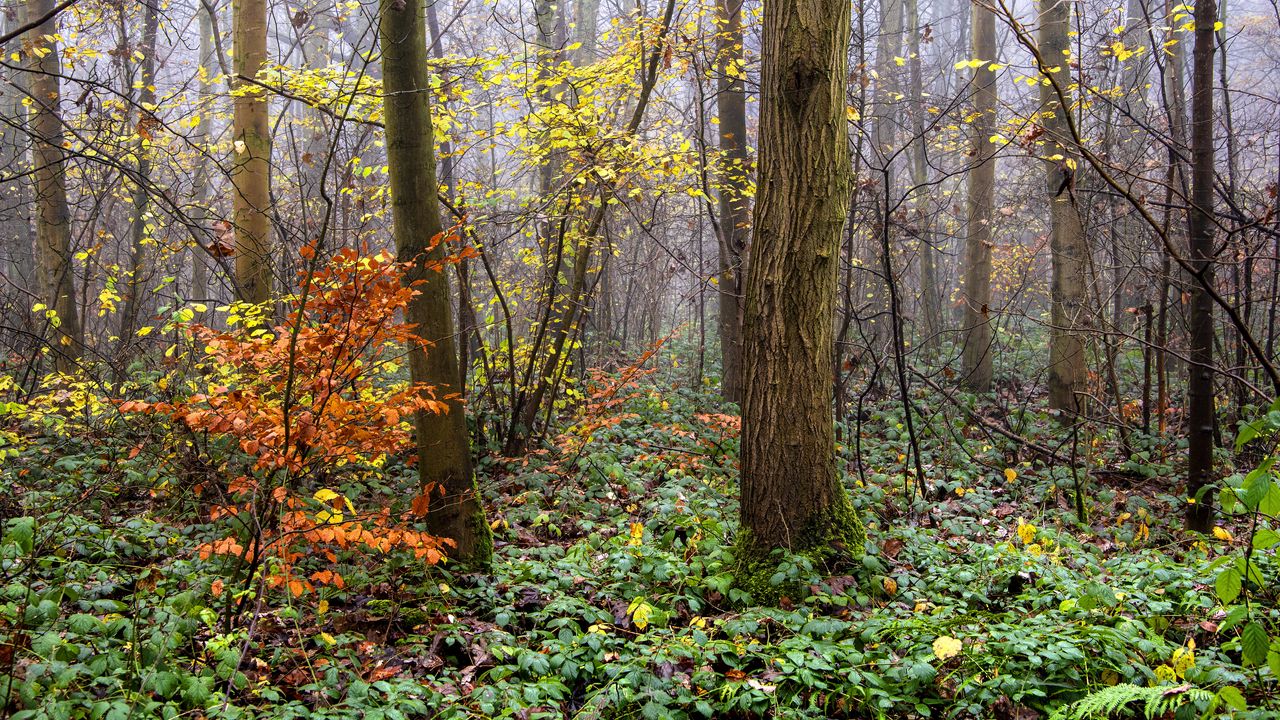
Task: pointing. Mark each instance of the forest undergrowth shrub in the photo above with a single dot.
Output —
(311, 402)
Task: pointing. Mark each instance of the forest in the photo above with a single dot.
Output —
(613, 359)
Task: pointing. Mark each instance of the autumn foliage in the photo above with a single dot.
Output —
(310, 396)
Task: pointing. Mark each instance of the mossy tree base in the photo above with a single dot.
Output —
(829, 539)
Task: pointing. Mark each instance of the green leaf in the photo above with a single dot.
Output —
(1228, 585)
(1273, 662)
(165, 684)
(1270, 504)
(1254, 644)
(1265, 538)
(1233, 698)
(21, 532)
(1257, 485)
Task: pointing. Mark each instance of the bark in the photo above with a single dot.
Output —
(1069, 253)
(315, 52)
(930, 292)
(1200, 221)
(136, 284)
(791, 495)
(201, 139)
(251, 173)
(587, 16)
(885, 122)
(53, 217)
(16, 239)
(734, 201)
(444, 458)
(980, 206)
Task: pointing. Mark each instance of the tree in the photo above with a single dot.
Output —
(980, 207)
(146, 100)
(444, 456)
(251, 174)
(1200, 223)
(15, 218)
(734, 203)
(1067, 367)
(53, 217)
(791, 494)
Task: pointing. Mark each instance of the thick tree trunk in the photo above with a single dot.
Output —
(1068, 371)
(251, 173)
(978, 335)
(734, 202)
(1200, 405)
(444, 458)
(53, 217)
(791, 494)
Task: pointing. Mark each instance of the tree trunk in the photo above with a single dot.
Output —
(15, 218)
(734, 201)
(976, 293)
(136, 284)
(1069, 253)
(251, 173)
(200, 289)
(791, 494)
(930, 291)
(1200, 405)
(444, 458)
(53, 217)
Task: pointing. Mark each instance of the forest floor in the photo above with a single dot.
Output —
(611, 592)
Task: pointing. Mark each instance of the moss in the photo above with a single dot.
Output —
(482, 555)
(832, 537)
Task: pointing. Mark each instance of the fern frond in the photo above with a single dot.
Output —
(1108, 701)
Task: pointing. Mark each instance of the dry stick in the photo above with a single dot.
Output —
(1099, 167)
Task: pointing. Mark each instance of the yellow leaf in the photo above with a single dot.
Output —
(890, 585)
(328, 639)
(1010, 474)
(1222, 534)
(946, 647)
(640, 612)
(323, 608)
(1026, 532)
(325, 495)
(637, 534)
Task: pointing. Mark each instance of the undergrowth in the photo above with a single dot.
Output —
(980, 594)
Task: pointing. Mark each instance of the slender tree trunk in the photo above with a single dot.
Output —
(444, 457)
(136, 284)
(53, 216)
(1068, 372)
(1200, 399)
(734, 201)
(791, 494)
(930, 292)
(200, 289)
(978, 335)
(251, 173)
(15, 219)
(885, 109)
